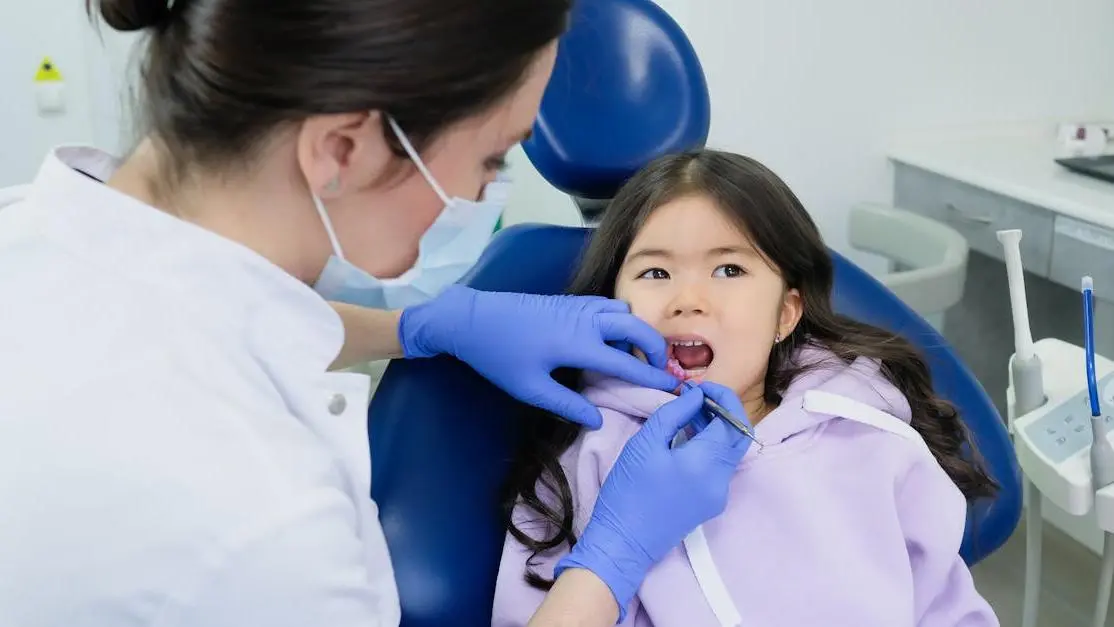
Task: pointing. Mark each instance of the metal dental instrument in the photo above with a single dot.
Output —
(732, 420)
(740, 425)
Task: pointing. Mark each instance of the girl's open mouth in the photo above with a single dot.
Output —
(688, 357)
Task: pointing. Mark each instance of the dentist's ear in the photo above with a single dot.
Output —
(341, 152)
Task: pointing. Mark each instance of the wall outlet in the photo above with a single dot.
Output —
(50, 97)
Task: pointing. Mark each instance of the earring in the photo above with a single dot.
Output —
(333, 186)
(777, 337)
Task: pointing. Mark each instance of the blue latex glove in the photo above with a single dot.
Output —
(517, 340)
(654, 496)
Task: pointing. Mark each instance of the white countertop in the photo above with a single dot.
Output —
(1015, 163)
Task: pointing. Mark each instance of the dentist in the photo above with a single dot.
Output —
(174, 447)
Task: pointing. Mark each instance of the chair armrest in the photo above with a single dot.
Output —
(934, 253)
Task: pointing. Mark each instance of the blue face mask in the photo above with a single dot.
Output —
(448, 249)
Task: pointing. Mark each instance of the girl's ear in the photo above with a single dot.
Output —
(792, 307)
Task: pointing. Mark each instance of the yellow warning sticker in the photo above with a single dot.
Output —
(48, 72)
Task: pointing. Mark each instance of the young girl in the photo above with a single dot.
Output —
(852, 510)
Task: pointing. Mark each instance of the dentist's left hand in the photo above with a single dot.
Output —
(655, 494)
(517, 340)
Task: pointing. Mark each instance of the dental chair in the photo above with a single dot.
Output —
(626, 89)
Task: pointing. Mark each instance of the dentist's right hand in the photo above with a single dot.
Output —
(654, 496)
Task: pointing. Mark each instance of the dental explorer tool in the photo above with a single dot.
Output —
(1028, 394)
(719, 410)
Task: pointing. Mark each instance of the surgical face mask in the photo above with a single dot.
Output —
(448, 249)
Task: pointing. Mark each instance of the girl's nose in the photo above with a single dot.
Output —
(690, 300)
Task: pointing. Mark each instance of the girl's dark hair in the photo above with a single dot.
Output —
(220, 75)
(764, 208)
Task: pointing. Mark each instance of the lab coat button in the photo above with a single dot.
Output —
(337, 404)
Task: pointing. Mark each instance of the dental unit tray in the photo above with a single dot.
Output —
(1053, 442)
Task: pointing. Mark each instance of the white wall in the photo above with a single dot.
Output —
(29, 32)
(92, 62)
(814, 88)
(114, 61)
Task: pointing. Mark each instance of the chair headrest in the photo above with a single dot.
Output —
(627, 88)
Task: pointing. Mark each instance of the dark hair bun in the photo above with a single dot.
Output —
(132, 15)
(220, 77)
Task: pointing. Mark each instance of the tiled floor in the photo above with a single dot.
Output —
(1068, 584)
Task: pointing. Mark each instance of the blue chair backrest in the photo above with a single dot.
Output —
(441, 437)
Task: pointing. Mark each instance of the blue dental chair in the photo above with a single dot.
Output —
(627, 88)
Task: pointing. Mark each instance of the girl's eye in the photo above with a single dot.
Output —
(654, 273)
(729, 270)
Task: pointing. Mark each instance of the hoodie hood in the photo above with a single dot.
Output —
(861, 380)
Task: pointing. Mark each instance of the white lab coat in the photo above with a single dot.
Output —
(172, 449)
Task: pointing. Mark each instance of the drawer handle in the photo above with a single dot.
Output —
(966, 217)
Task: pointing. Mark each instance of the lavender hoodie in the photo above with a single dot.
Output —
(835, 522)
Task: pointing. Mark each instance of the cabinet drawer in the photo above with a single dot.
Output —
(1080, 249)
(978, 214)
